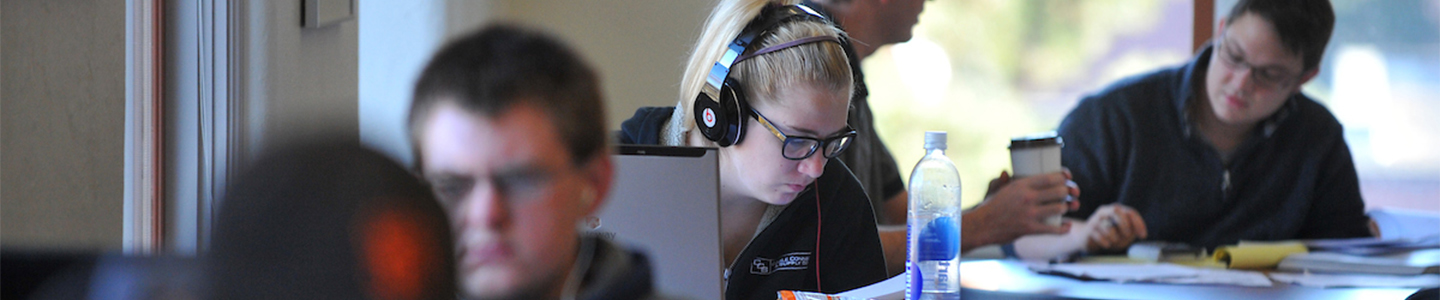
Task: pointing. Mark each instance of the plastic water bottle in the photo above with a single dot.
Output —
(932, 261)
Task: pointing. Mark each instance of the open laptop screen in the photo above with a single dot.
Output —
(666, 201)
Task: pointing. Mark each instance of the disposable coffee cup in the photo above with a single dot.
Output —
(1036, 154)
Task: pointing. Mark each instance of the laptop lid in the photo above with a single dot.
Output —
(666, 201)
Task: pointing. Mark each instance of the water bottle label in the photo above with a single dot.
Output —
(940, 240)
(916, 280)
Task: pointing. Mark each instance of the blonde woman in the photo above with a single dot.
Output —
(792, 217)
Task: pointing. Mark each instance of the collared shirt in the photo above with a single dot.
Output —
(1133, 143)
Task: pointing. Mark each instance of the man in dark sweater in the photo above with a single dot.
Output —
(1222, 149)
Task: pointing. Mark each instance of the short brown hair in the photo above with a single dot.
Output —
(1304, 26)
(491, 70)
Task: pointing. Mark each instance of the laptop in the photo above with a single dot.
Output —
(666, 202)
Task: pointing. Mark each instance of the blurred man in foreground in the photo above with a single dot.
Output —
(329, 220)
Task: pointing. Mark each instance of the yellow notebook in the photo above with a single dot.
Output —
(1257, 255)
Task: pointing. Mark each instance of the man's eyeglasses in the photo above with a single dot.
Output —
(802, 147)
(1266, 76)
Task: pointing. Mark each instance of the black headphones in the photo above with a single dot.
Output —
(720, 108)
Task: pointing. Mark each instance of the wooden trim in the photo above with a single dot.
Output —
(1204, 24)
(157, 104)
(144, 227)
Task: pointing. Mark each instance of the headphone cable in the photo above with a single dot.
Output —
(819, 223)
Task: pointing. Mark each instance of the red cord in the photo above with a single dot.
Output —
(819, 222)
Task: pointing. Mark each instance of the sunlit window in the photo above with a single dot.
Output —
(1381, 78)
(986, 71)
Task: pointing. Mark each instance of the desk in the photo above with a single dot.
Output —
(1009, 279)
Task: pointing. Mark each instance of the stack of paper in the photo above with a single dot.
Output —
(1159, 273)
(1326, 262)
(1374, 246)
(1357, 280)
(1406, 224)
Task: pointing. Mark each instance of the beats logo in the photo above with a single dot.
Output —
(709, 117)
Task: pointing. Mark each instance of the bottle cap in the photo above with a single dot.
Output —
(934, 140)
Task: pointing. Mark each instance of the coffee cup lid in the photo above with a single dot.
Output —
(1044, 139)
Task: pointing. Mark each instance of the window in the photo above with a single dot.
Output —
(989, 70)
(1381, 76)
(986, 71)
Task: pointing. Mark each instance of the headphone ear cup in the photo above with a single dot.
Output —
(738, 108)
(709, 118)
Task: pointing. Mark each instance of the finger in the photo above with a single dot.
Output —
(1062, 193)
(1099, 214)
(1122, 224)
(1044, 181)
(1137, 223)
(1105, 238)
(1114, 237)
(1112, 231)
(1040, 227)
(1123, 233)
(997, 183)
(1067, 173)
(1100, 242)
(1074, 188)
(1045, 209)
(1049, 194)
(1074, 203)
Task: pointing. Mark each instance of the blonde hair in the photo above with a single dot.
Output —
(823, 65)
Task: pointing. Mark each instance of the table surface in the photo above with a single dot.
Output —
(1009, 279)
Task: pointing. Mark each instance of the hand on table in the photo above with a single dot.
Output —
(1112, 228)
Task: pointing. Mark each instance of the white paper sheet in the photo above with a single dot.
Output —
(1357, 280)
(890, 289)
(1224, 277)
(1158, 272)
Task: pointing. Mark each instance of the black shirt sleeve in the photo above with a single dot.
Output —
(1338, 210)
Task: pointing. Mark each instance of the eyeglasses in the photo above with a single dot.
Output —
(802, 147)
(1266, 76)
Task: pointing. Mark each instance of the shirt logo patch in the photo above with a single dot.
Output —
(789, 261)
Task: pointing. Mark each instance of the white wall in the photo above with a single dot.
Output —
(62, 105)
(396, 40)
(639, 48)
(304, 81)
